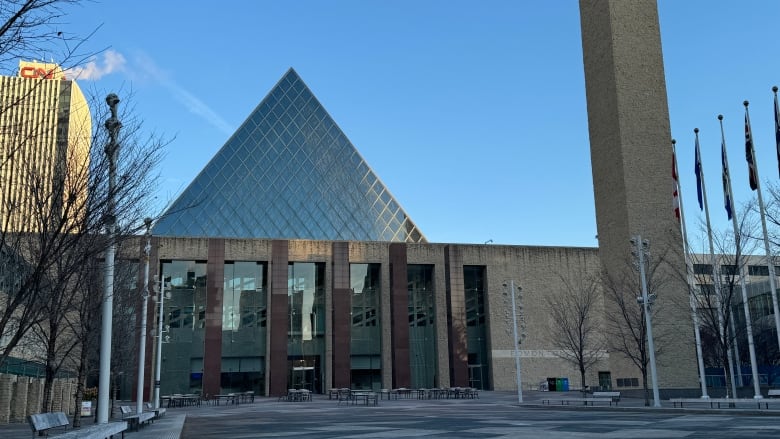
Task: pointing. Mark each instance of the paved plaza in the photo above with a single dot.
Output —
(493, 415)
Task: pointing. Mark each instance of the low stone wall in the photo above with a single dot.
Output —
(21, 396)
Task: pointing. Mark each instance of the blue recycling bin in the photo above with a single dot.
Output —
(565, 385)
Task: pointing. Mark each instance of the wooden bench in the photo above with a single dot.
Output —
(723, 402)
(585, 401)
(615, 396)
(135, 420)
(773, 393)
(43, 422)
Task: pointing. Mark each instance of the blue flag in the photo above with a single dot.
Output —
(726, 179)
(699, 177)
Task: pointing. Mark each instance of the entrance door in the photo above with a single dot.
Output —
(605, 381)
(302, 377)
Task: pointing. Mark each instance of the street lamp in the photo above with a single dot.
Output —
(139, 408)
(158, 363)
(515, 336)
(641, 248)
(112, 151)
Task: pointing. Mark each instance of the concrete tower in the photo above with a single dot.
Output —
(630, 144)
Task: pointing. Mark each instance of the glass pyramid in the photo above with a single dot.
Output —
(288, 172)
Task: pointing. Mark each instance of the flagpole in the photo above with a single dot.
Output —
(715, 268)
(689, 277)
(769, 260)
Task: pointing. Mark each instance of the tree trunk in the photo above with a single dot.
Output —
(81, 381)
(647, 390)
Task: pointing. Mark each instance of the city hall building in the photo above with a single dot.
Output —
(288, 264)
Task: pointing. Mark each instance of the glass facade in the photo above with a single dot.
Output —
(422, 330)
(304, 177)
(184, 326)
(306, 336)
(476, 327)
(244, 327)
(366, 330)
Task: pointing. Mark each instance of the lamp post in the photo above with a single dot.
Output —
(158, 363)
(112, 151)
(139, 407)
(516, 340)
(645, 301)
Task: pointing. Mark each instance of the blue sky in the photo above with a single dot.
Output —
(472, 113)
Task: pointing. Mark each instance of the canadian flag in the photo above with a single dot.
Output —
(676, 185)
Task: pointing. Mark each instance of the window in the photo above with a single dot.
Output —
(628, 382)
(702, 269)
(729, 270)
(758, 270)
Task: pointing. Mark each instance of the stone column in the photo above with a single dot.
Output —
(6, 391)
(34, 396)
(56, 395)
(19, 401)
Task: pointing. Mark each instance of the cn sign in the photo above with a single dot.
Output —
(36, 72)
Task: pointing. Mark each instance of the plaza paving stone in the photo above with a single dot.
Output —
(493, 415)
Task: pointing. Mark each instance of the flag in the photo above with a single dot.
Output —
(676, 185)
(749, 153)
(777, 130)
(699, 178)
(726, 179)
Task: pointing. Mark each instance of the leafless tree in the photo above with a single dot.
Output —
(574, 327)
(718, 297)
(625, 321)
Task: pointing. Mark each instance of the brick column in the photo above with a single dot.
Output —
(278, 320)
(342, 323)
(456, 317)
(399, 307)
(34, 396)
(212, 354)
(19, 401)
(6, 390)
(56, 396)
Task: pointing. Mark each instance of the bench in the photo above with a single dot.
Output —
(773, 393)
(614, 395)
(135, 420)
(96, 431)
(585, 401)
(158, 412)
(42, 422)
(726, 402)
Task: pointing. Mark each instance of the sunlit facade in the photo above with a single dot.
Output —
(45, 135)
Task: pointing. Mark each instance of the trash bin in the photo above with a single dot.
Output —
(559, 384)
(565, 384)
(551, 384)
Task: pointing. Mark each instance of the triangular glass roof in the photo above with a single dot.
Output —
(288, 172)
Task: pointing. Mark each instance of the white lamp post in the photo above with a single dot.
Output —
(139, 408)
(645, 301)
(158, 363)
(112, 151)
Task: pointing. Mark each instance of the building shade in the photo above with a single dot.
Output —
(289, 172)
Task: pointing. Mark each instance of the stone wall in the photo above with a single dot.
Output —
(21, 396)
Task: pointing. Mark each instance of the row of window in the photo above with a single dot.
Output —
(733, 270)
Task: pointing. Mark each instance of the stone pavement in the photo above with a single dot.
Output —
(493, 415)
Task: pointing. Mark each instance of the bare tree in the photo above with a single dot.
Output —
(719, 297)
(575, 331)
(625, 321)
